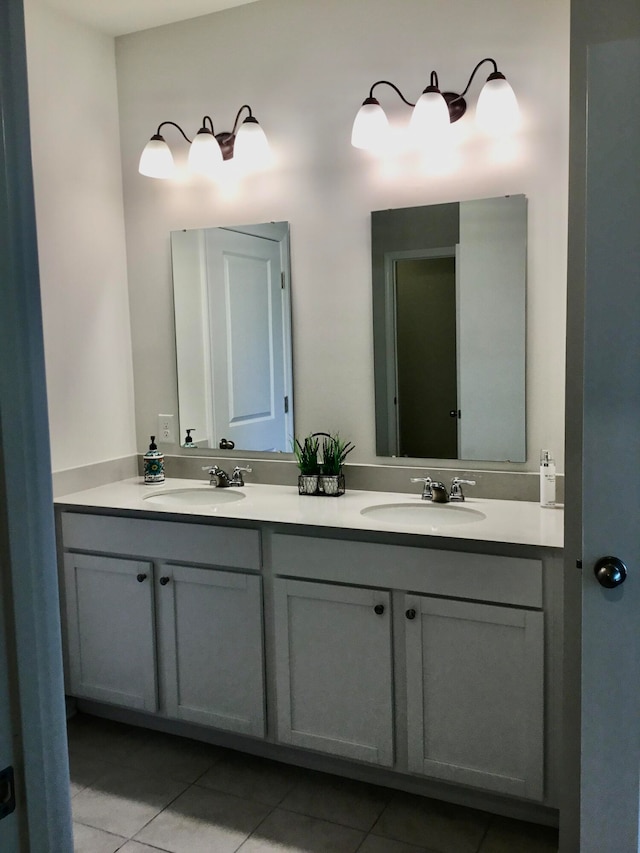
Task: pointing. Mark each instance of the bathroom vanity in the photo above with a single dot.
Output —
(374, 635)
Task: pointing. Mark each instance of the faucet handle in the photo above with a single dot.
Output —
(236, 478)
(456, 488)
(427, 493)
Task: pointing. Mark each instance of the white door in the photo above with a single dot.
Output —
(245, 283)
(333, 669)
(475, 694)
(603, 430)
(210, 636)
(111, 633)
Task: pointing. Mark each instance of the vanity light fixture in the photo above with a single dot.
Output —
(496, 111)
(246, 144)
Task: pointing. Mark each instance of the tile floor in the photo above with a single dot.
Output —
(138, 791)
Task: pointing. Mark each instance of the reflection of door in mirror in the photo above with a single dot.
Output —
(450, 373)
(232, 333)
(426, 391)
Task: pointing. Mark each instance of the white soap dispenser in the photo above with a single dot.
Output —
(547, 479)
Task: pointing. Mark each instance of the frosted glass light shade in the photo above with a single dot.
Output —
(251, 147)
(156, 160)
(497, 110)
(205, 156)
(430, 122)
(370, 126)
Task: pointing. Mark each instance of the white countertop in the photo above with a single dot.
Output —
(518, 522)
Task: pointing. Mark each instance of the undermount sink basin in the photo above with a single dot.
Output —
(423, 513)
(204, 496)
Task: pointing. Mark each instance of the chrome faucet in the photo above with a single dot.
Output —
(217, 477)
(221, 480)
(435, 491)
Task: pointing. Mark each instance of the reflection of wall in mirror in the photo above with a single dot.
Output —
(233, 335)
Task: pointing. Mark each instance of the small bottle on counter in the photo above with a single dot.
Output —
(188, 440)
(153, 463)
(547, 479)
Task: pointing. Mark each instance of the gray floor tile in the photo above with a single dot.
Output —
(254, 778)
(507, 836)
(428, 823)
(103, 740)
(202, 821)
(288, 832)
(175, 757)
(85, 770)
(136, 847)
(86, 839)
(123, 800)
(377, 844)
(339, 800)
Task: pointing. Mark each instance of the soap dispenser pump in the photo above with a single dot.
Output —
(153, 463)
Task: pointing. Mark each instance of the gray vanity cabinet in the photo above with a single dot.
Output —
(157, 634)
(475, 694)
(110, 630)
(437, 665)
(210, 636)
(333, 669)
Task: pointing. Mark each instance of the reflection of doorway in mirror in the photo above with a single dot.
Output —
(426, 387)
(233, 335)
(247, 366)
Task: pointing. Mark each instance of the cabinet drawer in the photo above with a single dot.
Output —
(167, 540)
(483, 577)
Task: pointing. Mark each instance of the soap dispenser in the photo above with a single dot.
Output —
(547, 479)
(188, 440)
(153, 463)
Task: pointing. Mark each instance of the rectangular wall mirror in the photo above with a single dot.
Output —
(232, 308)
(449, 315)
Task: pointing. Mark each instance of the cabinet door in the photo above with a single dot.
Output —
(475, 694)
(334, 678)
(110, 622)
(212, 647)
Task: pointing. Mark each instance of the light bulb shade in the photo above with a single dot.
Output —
(430, 122)
(497, 110)
(251, 147)
(156, 160)
(370, 126)
(205, 156)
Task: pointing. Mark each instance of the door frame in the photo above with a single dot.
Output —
(27, 538)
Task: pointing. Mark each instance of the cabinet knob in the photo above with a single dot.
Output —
(379, 609)
(411, 613)
(164, 581)
(141, 577)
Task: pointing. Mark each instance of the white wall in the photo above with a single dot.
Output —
(81, 248)
(305, 66)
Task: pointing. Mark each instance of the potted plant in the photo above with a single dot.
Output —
(334, 452)
(307, 458)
